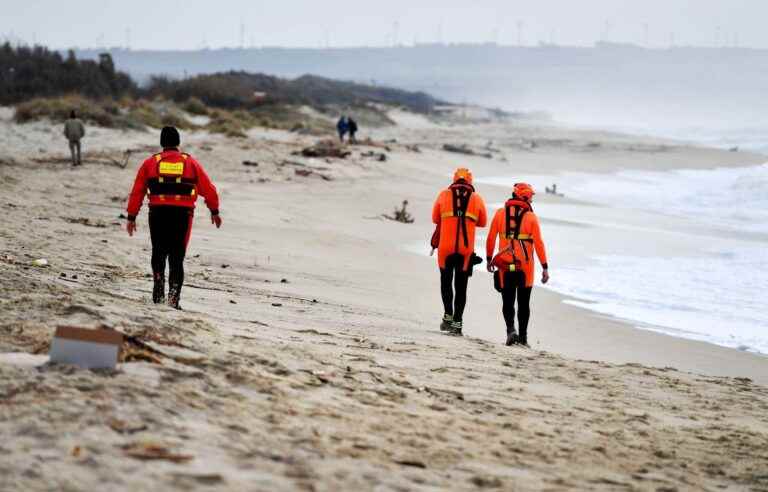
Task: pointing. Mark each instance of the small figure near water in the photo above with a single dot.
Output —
(74, 130)
(552, 190)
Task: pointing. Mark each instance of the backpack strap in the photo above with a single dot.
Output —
(460, 196)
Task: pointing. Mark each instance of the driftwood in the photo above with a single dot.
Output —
(379, 156)
(464, 149)
(401, 215)
(325, 148)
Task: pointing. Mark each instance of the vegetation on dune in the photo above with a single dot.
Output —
(232, 90)
(43, 84)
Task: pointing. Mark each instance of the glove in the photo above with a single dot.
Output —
(130, 226)
(216, 220)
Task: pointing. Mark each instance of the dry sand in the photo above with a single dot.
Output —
(336, 377)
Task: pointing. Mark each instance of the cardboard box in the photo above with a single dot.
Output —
(86, 348)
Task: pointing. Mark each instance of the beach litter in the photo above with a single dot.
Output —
(154, 451)
(40, 262)
(378, 156)
(464, 149)
(86, 348)
(325, 148)
(401, 215)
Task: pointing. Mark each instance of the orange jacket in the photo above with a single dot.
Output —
(443, 214)
(172, 178)
(531, 239)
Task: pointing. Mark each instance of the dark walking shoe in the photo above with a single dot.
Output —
(456, 329)
(174, 294)
(445, 325)
(523, 339)
(512, 338)
(158, 291)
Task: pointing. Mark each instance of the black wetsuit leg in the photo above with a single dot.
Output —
(523, 309)
(453, 286)
(515, 289)
(461, 280)
(169, 229)
(446, 289)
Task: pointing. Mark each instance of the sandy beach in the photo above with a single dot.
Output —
(308, 357)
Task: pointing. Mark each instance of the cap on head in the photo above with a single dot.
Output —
(169, 137)
(523, 191)
(462, 173)
(72, 114)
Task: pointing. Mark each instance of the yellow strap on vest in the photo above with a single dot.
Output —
(522, 237)
(445, 215)
(512, 267)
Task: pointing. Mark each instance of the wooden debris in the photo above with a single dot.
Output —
(401, 215)
(325, 148)
(464, 149)
(154, 451)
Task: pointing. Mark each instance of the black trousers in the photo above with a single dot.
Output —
(169, 228)
(452, 277)
(514, 287)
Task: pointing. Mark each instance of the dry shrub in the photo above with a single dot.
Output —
(195, 106)
(102, 113)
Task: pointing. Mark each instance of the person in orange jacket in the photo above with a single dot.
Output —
(457, 212)
(173, 180)
(519, 234)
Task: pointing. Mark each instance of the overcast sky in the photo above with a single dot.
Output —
(191, 24)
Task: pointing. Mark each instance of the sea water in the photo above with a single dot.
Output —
(717, 295)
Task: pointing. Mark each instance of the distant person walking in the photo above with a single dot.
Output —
(74, 130)
(342, 126)
(352, 130)
(519, 234)
(174, 180)
(458, 210)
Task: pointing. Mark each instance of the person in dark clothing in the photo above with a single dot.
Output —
(352, 130)
(174, 180)
(74, 130)
(342, 127)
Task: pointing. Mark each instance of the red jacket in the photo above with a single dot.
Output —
(172, 178)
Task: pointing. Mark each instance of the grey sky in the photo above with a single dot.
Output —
(176, 24)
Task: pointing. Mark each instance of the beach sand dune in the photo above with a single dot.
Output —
(306, 357)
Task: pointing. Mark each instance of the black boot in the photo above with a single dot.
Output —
(512, 337)
(456, 329)
(158, 291)
(174, 296)
(445, 325)
(523, 338)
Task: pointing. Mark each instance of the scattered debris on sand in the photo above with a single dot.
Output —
(377, 156)
(325, 148)
(553, 190)
(401, 215)
(464, 149)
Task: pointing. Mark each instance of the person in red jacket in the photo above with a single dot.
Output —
(517, 229)
(172, 180)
